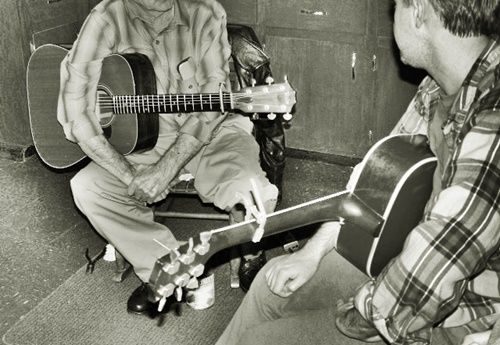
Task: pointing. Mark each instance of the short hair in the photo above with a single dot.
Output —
(467, 18)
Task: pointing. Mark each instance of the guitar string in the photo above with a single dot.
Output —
(158, 101)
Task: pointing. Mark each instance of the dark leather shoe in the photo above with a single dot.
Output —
(351, 323)
(138, 302)
(249, 269)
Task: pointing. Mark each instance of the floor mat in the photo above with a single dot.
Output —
(91, 309)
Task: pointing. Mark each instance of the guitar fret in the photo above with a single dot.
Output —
(185, 106)
(177, 98)
(170, 101)
(210, 100)
(120, 105)
(192, 101)
(201, 102)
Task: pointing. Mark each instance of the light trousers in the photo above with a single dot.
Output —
(222, 171)
(307, 317)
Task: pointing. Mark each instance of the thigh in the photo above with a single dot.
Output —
(336, 279)
(314, 327)
(226, 165)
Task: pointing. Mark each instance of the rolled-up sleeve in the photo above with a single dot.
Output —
(79, 75)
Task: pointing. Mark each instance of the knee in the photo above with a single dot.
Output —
(81, 185)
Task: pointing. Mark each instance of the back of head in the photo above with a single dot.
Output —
(466, 18)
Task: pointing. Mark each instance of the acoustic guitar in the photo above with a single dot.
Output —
(385, 204)
(128, 104)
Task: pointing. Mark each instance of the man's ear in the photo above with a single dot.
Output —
(419, 11)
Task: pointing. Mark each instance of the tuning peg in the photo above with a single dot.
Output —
(178, 294)
(255, 116)
(269, 80)
(166, 290)
(253, 82)
(271, 116)
(189, 256)
(287, 116)
(172, 268)
(193, 283)
(285, 78)
(205, 236)
(202, 249)
(182, 280)
(197, 270)
(161, 303)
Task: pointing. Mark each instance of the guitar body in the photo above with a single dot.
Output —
(396, 183)
(127, 74)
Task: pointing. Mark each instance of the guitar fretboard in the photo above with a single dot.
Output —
(169, 103)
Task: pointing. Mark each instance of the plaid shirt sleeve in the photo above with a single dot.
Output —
(428, 280)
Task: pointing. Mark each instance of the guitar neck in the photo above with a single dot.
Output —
(171, 269)
(343, 205)
(169, 103)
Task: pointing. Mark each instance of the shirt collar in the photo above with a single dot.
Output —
(168, 19)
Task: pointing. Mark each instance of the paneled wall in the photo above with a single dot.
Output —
(340, 57)
(24, 24)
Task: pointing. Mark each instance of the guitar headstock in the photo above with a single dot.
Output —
(271, 99)
(180, 268)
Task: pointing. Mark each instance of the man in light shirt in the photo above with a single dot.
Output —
(186, 42)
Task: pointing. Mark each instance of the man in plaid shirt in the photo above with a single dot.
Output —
(445, 284)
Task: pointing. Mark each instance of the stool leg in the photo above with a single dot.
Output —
(236, 215)
(234, 267)
(122, 268)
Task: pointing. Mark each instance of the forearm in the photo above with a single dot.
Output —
(105, 155)
(323, 241)
(178, 155)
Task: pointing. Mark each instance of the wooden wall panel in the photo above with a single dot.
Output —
(329, 110)
(26, 24)
(14, 123)
(240, 12)
(321, 15)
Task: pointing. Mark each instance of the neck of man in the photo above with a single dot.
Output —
(452, 58)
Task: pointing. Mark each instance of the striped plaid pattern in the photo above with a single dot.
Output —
(448, 271)
(194, 29)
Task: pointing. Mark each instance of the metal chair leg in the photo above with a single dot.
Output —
(122, 268)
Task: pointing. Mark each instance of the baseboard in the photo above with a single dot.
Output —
(16, 152)
(322, 157)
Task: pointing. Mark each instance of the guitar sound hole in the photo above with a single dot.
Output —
(104, 107)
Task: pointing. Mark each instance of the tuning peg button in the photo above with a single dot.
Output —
(287, 116)
(182, 280)
(271, 116)
(197, 270)
(202, 249)
(193, 283)
(269, 80)
(187, 259)
(172, 268)
(166, 290)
